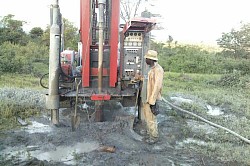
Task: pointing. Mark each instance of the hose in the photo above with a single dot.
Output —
(42, 83)
(204, 120)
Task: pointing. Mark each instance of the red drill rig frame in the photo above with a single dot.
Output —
(106, 62)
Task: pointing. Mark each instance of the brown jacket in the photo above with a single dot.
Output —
(154, 84)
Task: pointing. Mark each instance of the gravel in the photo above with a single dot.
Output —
(23, 97)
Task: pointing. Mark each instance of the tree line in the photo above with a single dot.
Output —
(22, 52)
(233, 56)
(28, 52)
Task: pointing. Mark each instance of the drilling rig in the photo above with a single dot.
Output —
(103, 68)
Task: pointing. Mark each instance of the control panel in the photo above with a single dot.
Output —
(132, 54)
(133, 39)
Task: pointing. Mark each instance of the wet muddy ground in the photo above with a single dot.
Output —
(40, 143)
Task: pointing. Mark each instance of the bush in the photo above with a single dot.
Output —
(230, 65)
(235, 79)
(190, 62)
(20, 59)
(194, 59)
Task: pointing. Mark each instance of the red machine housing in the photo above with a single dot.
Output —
(121, 59)
(111, 42)
(67, 58)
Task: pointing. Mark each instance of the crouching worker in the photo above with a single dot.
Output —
(151, 94)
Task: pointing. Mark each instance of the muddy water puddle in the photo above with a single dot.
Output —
(197, 126)
(66, 154)
(37, 127)
(192, 141)
(211, 110)
(131, 111)
(214, 111)
(181, 100)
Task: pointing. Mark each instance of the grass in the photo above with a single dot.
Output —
(205, 87)
(20, 81)
(9, 112)
(232, 98)
(20, 96)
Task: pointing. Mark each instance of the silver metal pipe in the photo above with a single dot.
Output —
(101, 2)
(101, 6)
(98, 104)
(52, 100)
(62, 33)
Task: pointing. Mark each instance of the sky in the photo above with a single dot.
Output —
(187, 21)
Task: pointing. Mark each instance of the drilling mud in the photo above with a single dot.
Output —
(100, 143)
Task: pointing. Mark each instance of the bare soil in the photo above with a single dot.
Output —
(41, 143)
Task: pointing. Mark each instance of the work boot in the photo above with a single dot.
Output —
(151, 140)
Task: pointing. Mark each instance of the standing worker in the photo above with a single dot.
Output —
(151, 94)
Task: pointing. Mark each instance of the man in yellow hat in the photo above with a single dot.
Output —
(151, 94)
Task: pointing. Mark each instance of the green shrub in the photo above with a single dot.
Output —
(22, 59)
(235, 79)
(194, 59)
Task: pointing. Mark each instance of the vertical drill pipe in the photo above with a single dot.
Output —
(98, 111)
(53, 95)
(100, 47)
(98, 107)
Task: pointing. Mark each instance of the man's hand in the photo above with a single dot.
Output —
(138, 77)
(154, 109)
